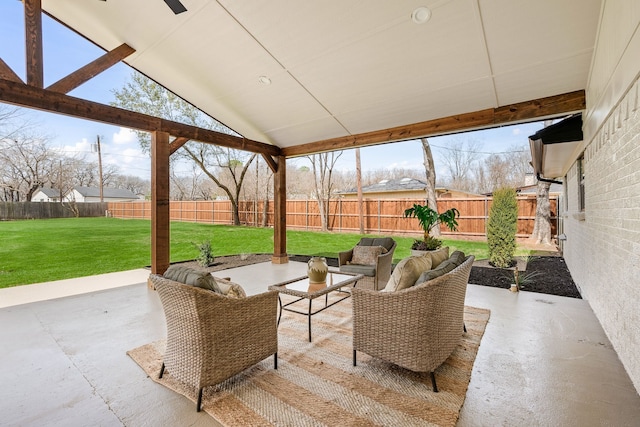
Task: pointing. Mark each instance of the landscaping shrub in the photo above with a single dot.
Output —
(502, 227)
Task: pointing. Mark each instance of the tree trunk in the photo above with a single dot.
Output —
(359, 186)
(430, 170)
(542, 225)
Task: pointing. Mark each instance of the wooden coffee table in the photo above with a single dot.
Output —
(301, 288)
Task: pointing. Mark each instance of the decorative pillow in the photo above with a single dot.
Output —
(444, 268)
(457, 258)
(229, 289)
(407, 272)
(190, 276)
(438, 256)
(366, 255)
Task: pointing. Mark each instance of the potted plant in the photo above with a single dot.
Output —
(429, 218)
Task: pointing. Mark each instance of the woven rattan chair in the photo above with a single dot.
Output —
(211, 337)
(416, 328)
(376, 275)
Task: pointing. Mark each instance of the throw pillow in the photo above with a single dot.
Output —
(438, 256)
(457, 258)
(366, 255)
(407, 272)
(190, 276)
(444, 268)
(229, 289)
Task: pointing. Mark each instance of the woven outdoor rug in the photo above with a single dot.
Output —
(316, 383)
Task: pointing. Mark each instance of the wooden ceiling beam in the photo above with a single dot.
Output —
(86, 73)
(41, 99)
(7, 73)
(492, 117)
(33, 40)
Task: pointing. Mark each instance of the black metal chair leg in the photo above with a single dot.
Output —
(433, 382)
(464, 327)
(354, 358)
(275, 360)
(199, 404)
(161, 370)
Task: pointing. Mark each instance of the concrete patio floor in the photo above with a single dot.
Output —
(544, 360)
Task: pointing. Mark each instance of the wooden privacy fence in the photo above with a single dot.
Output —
(381, 216)
(47, 210)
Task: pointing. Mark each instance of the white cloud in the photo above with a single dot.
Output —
(516, 131)
(124, 136)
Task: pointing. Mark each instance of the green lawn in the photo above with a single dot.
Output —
(35, 251)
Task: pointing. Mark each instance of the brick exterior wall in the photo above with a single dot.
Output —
(603, 246)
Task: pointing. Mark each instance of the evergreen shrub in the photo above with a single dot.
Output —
(502, 227)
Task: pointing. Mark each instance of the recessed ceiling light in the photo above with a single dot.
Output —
(264, 80)
(421, 15)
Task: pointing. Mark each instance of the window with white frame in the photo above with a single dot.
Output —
(581, 184)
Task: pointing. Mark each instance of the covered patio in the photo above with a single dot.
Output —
(295, 80)
(544, 360)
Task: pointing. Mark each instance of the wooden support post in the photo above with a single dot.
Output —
(159, 202)
(280, 214)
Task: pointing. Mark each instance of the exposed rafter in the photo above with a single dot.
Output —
(46, 100)
(33, 39)
(7, 73)
(530, 110)
(177, 143)
(271, 162)
(86, 73)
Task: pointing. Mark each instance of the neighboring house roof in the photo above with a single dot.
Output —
(396, 185)
(111, 193)
(50, 192)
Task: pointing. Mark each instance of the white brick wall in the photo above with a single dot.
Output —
(603, 250)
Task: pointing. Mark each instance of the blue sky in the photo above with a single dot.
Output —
(65, 51)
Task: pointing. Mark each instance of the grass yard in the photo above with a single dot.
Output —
(35, 251)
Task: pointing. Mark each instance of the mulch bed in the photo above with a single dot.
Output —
(543, 274)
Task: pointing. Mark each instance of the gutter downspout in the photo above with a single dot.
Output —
(552, 181)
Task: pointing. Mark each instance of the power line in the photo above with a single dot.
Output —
(478, 152)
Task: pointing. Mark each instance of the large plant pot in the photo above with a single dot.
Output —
(317, 270)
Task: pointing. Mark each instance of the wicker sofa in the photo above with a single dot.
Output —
(378, 270)
(212, 337)
(416, 328)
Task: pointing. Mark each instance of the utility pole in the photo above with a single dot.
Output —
(359, 189)
(100, 168)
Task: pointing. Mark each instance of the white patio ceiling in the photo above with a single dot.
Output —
(344, 67)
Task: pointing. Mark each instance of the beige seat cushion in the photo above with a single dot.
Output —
(367, 255)
(407, 272)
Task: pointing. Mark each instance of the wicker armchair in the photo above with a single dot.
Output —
(375, 275)
(416, 328)
(211, 337)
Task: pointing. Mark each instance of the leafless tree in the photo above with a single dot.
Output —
(322, 166)
(224, 166)
(26, 163)
(430, 188)
(459, 158)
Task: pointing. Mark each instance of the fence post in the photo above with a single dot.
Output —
(379, 224)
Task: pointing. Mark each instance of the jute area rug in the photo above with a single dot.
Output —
(316, 383)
